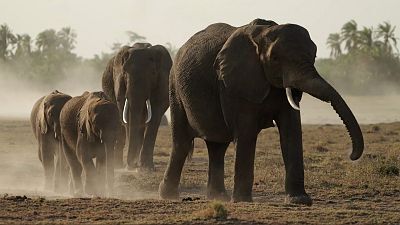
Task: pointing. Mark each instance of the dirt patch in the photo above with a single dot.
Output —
(366, 191)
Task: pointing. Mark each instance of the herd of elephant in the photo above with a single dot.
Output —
(225, 85)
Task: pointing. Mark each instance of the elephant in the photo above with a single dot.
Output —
(136, 79)
(89, 129)
(227, 84)
(45, 124)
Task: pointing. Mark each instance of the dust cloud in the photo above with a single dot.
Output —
(21, 172)
(17, 96)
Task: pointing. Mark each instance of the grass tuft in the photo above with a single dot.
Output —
(215, 210)
(389, 170)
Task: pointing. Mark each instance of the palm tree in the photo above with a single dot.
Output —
(67, 38)
(334, 43)
(134, 37)
(7, 39)
(350, 35)
(23, 45)
(366, 39)
(47, 40)
(386, 31)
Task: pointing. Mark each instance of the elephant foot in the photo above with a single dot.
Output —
(166, 192)
(146, 167)
(242, 198)
(218, 195)
(303, 199)
(133, 167)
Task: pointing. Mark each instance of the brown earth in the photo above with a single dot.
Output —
(363, 192)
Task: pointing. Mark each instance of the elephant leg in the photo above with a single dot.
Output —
(75, 168)
(244, 168)
(119, 149)
(91, 176)
(182, 144)
(216, 156)
(82, 151)
(245, 145)
(47, 158)
(61, 171)
(289, 125)
(101, 168)
(146, 155)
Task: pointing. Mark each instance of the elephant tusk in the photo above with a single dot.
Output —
(125, 112)
(290, 99)
(148, 105)
(55, 131)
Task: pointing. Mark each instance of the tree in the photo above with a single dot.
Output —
(23, 45)
(67, 38)
(171, 49)
(134, 37)
(387, 32)
(47, 41)
(366, 39)
(350, 35)
(7, 40)
(334, 43)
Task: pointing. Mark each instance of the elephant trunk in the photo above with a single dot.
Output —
(319, 88)
(136, 127)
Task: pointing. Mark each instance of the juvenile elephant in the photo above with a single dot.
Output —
(227, 84)
(89, 127)
(136, 79)
(46, 128)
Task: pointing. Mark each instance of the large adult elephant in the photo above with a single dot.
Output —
(227, 84)
(136, 79)
(89, 129)
(46, 128)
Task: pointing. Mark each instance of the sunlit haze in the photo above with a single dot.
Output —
(100, 23)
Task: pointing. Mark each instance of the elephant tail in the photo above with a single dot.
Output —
(190, 154)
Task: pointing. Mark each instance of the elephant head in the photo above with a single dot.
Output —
(99, 122)
(280, 56)
(49, 112)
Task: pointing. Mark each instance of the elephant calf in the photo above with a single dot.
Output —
(89, 129)
(46, 128)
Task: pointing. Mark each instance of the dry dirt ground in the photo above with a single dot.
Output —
(363, 192)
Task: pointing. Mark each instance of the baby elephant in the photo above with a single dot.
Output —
(46, 128)
(89, 129)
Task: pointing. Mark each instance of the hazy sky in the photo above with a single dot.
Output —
(100, 23)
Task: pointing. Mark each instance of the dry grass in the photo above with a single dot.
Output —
(366, 191)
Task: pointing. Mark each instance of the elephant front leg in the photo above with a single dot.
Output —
(75, 169)
(289, 125)
(146, 155)
(244, 167)
(119, 148)
(216, 156)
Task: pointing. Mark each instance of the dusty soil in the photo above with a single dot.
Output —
(363, 192)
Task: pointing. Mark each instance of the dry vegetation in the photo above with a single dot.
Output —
(344, 192)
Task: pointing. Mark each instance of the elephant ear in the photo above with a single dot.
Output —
(42, 118)
(238, 66)
(84, 124)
